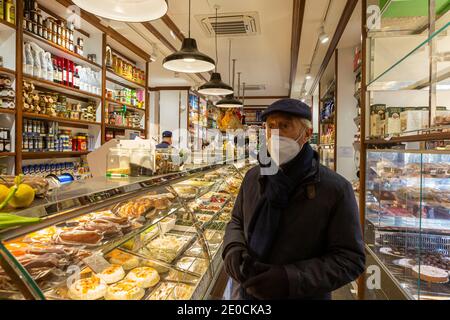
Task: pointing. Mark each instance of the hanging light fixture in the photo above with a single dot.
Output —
(188, 59)
(125, 10)
(215, 86)
(230, 101)
(323, 36)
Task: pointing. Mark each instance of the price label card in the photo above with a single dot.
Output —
(96, 262)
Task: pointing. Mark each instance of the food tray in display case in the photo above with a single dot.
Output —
(408, 219)
(123, 240)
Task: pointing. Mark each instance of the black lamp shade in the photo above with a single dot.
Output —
(189, 59)
(215, 86)
(229, 102)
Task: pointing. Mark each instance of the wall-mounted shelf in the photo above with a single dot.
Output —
(129, 106)
(95, 39)
(48, 155)
(60, 51)
(7, 26)
(60, 88)
(11, 111)
(7, 154)
(70, 122)
(7, 71)
(122, 81)
(112, 126)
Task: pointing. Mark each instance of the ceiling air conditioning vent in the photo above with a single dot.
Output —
(230, 24)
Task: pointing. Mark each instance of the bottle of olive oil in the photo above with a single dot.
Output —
(10, 12)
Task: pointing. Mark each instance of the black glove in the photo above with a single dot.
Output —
(270, 282)
(233, 261)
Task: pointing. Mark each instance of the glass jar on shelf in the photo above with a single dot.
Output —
(141, 162)
(118, 163)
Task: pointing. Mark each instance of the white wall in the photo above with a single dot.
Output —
(169, 104)
(346, 111)
(153, 116)
(315, 119)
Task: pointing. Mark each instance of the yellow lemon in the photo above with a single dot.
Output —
(23, 197)
(4, 190)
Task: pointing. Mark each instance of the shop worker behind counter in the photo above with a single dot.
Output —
(166, 140)
(294, 234)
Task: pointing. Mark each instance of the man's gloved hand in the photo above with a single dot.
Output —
(271, 282)
(233, 261)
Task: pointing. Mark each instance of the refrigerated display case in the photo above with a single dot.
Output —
(136, 238)
(407, 227)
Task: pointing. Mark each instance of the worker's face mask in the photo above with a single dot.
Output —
(283, 149)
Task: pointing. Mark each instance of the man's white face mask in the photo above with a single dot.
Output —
(283, 149)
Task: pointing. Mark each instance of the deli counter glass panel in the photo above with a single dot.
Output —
(161, 242)
(408, 219)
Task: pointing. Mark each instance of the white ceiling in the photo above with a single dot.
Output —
(263, 59)
(314, 15)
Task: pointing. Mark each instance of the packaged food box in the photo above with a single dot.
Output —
(393, 123)
(413, 119)
(377, 118)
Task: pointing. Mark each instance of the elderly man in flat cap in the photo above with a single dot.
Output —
(166, 140)
(294, 234)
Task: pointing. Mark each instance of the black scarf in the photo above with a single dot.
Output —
(277, 191)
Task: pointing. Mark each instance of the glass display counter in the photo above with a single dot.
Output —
(123, 239)
(407, 227)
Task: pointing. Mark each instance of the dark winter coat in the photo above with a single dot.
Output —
(319, 241)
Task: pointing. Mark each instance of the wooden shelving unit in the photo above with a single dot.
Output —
(53, 86)
(72, 122)
(6, 71)
(45, 155)
(112, 126)
(10, 111)
(42, 85)
(5, 25)
(129, 106)
(121, 80)
(60, 51)
(7, 154)
(328, 91)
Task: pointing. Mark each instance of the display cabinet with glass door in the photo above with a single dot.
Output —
(127, 239)
(406, 123)
(408, 218)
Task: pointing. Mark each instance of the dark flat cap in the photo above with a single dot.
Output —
(291, 106)
(167, 134)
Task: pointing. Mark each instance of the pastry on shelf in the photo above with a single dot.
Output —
(112, 274)
(186, 192)
(126, 260)
(79, 237)
(136, 208)
(164, 248)
(163, 291)
(430, 274)
(107, 228)
(92, 288)
(124, 290)
(177, 276)
(41, 236)
(181, 292)
(144, 277)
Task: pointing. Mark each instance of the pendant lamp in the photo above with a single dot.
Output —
(230, 101)
(188, 59)
(215, 86)
(125, 10)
